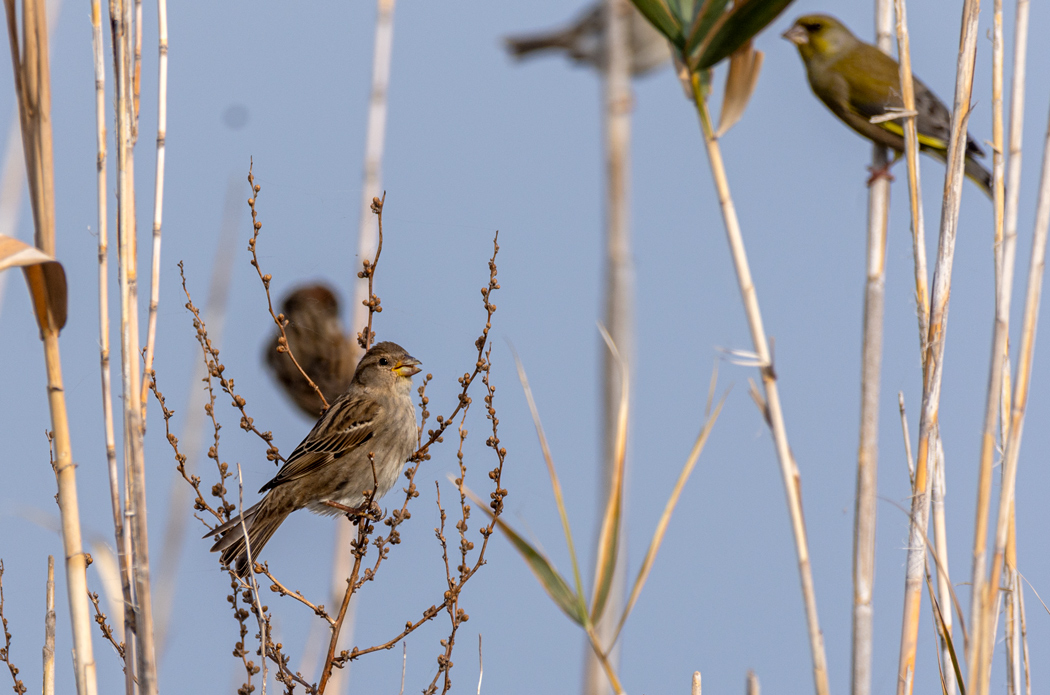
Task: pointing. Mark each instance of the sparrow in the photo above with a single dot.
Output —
(374, 422)
(584, 41)
(858, 81)
(316, 338)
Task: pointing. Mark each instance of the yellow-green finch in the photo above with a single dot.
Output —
(857, 81)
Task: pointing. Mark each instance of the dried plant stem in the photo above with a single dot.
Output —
(367, 242)
(933, 361)
(938, 488)
(49, 629)
(259, 615)
(1006, 245)
(940, 551)
(1012, 633)
(619, 312)
(103, 318)
(140, 612)
(158, 190)
(279, 319)
(789, 469)
(33, 87)
(1016, 427)
(911, 151)
(215, 316)
(871, 370)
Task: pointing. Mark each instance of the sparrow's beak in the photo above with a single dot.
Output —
(407, 366)
(796, 35)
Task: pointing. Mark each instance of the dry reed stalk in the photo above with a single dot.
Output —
(940, 550)
(141, 613)
(252, 583)
(911, 151)
(938, 486)
(1000, 346)
(367, 241)
(773, 412)
(103, 313)
(33, 87)
(933, 362)
(1016, 427)
(215, 311)
(1012, 631)
(864, 519)
(619, 312)
(49, 629)
(158, 190)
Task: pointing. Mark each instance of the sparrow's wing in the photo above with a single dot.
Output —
(348, 424)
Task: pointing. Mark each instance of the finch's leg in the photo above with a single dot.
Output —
(883, 171)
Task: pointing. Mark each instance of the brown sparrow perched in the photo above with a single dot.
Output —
(316, 338)
(374, 422)
(584, 41)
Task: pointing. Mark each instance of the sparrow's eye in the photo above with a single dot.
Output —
(383, 361)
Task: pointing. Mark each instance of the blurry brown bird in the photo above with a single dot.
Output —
(316, 338)
(361, 443)
(584, 41)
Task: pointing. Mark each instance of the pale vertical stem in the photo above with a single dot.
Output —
(32, 77)
(619, 311)
(12, 183)
(1012, 633)
(103, 315)
(1016, 646)
(49, 629)
(907, 438)
(1017, 414)
(934, 357)
(134, 468)
(1024, 640)
(774, 413)
(911, 151)
(940, 549)
(158, 189)
(1006, 247)
(367, 239)
(215, 311)
(864, 516)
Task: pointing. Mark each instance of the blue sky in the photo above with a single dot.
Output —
(478, 143)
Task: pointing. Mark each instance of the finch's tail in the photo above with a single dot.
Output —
(979, 175)
(261, 521)
(523, 46)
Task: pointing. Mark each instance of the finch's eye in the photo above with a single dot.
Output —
(383, 361)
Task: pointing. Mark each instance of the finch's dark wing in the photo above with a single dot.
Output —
(347, 425)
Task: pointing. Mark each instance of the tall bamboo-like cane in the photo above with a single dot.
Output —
(871, 371)
(933, 362)
(32, 77)
(619, 310)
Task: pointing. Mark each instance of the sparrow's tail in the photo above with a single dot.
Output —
(523, 46)
(261, 521)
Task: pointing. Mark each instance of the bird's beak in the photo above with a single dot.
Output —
(796, 35)
(407, 367)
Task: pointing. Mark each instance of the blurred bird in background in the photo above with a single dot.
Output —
(584, 41)
(316, 338)
(857, 81)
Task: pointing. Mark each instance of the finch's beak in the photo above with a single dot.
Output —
(407, 367)
(796, 35)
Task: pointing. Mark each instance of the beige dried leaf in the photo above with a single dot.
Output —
(45, 276)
